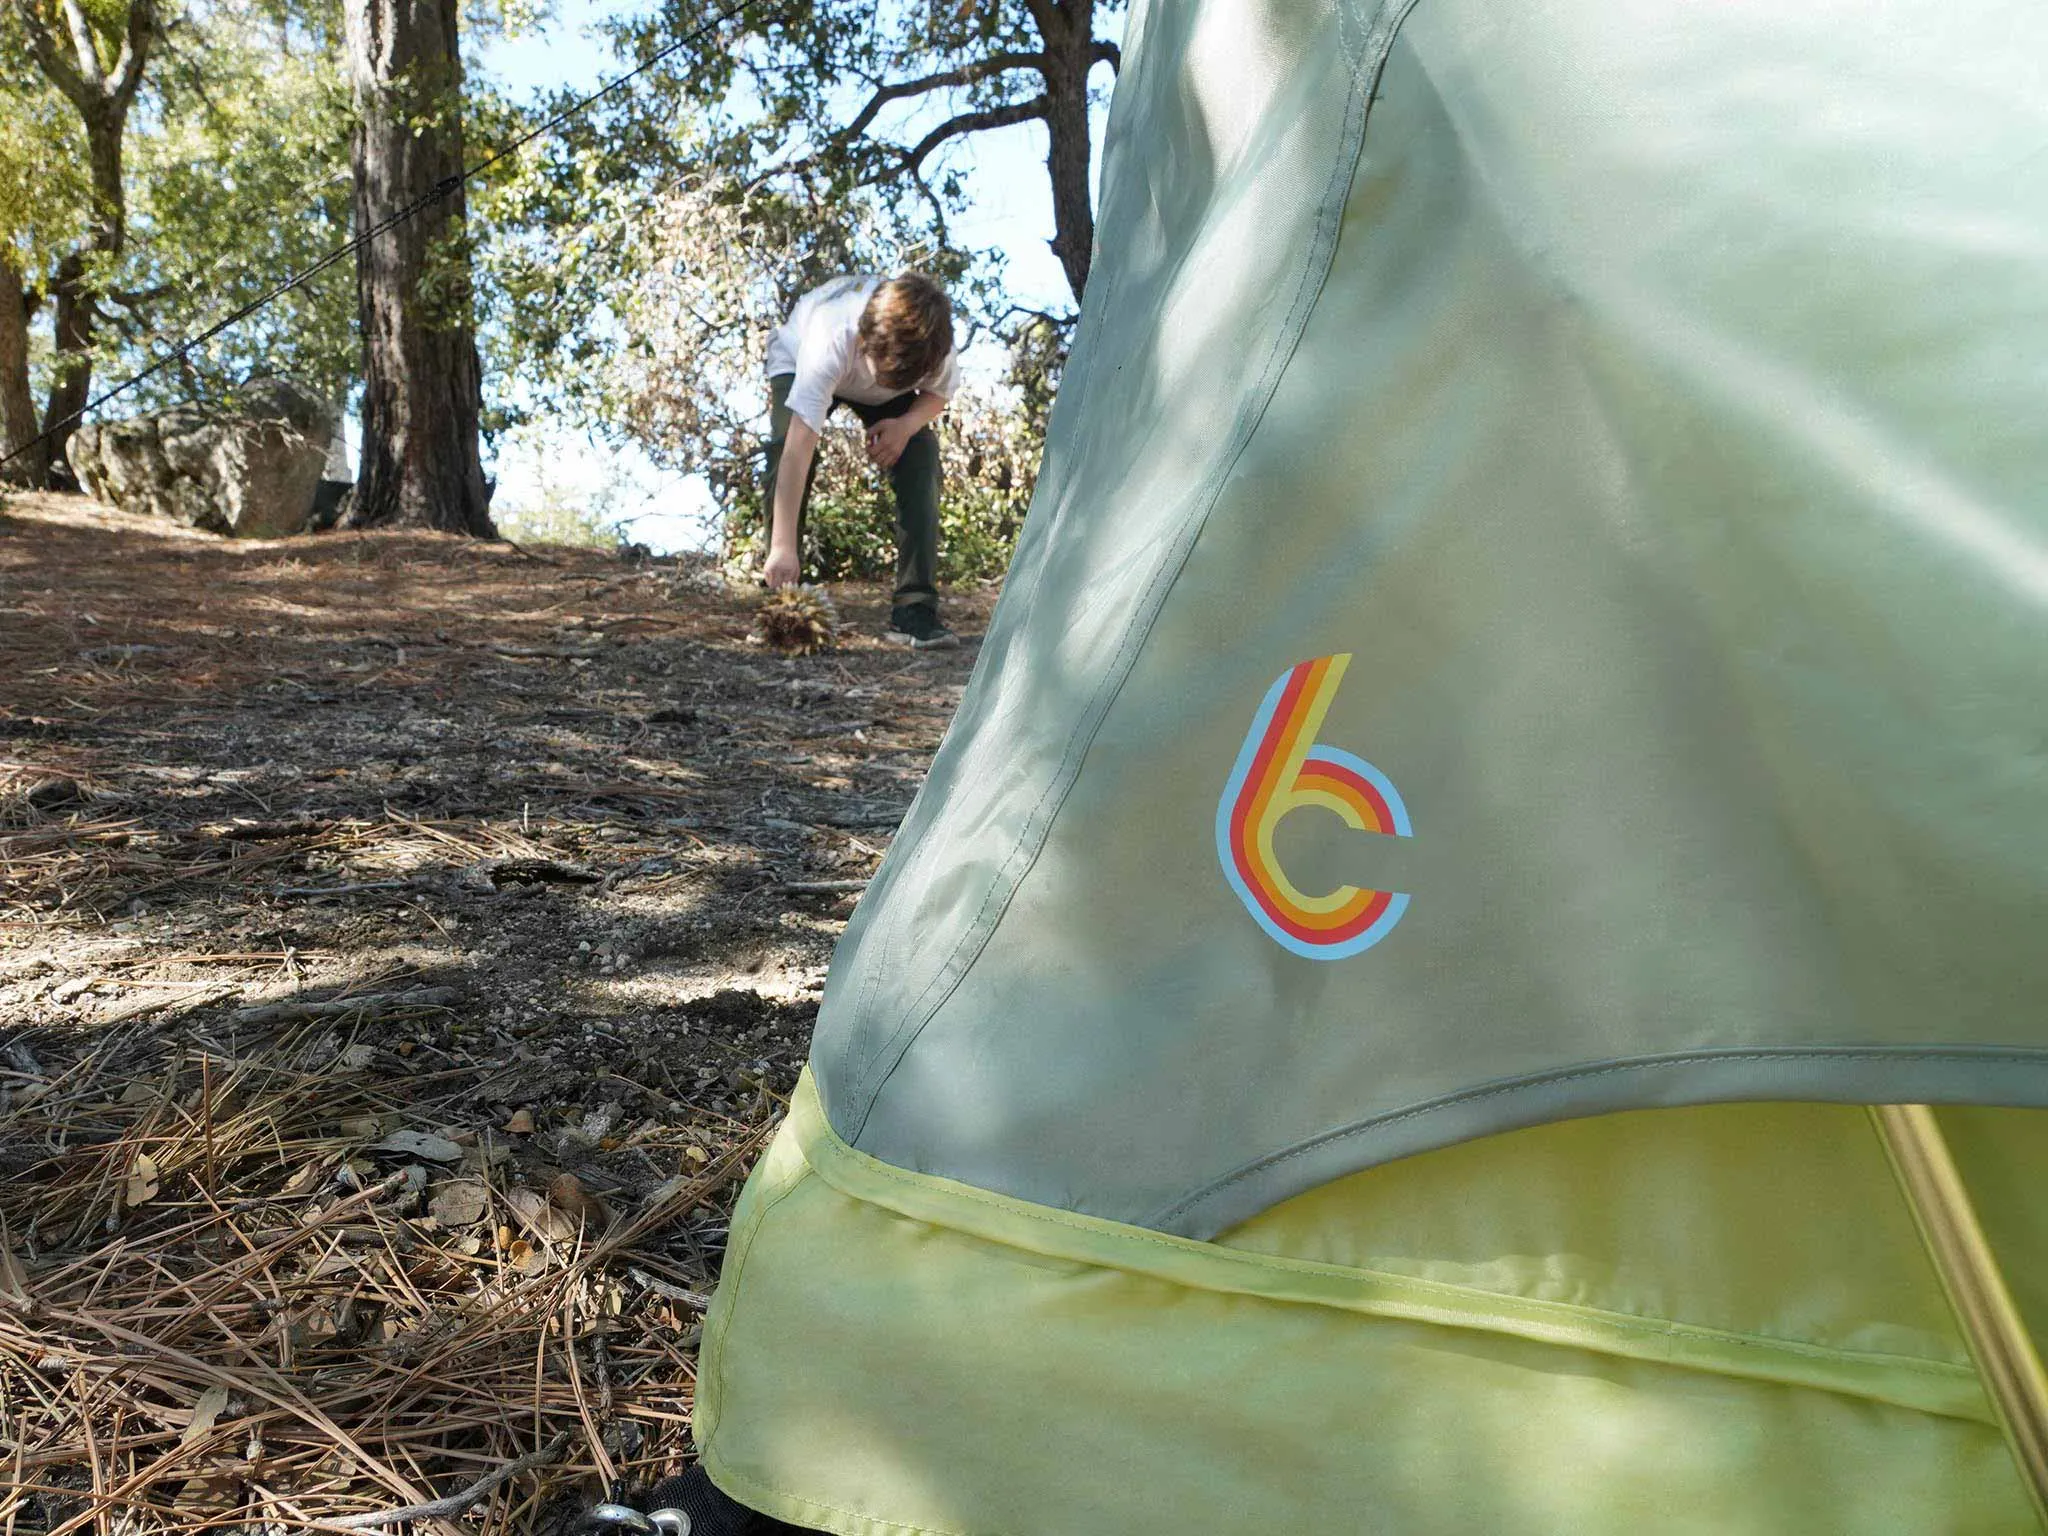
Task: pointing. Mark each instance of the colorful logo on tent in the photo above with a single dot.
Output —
(1283, 768)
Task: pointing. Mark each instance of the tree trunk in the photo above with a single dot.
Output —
(17, 404)
(422, 462)
(1069, 31)
(106, 124)
(71, 366)
(67, 49)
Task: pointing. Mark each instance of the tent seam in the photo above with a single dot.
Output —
(2016, 1054)
(823, 1139)
(1022, 580)
(734, 1272)
(1377, 45)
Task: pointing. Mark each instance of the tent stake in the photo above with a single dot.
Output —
(1962, 1255)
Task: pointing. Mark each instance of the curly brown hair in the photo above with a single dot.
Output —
(906, 330)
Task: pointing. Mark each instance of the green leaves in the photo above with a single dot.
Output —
(239, 177)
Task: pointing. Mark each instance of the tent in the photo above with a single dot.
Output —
(1520, 714)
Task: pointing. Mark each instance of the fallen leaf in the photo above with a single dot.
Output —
(521, 1123)
(578, 1203)
(219, 1490)
(138, 1091)
(697, 1154)
(481, 1159)
(533, 1208)
(361, 1125)
(435, 1149)
(143, 1181)
(469, 1245)
(356, 1058)
(13, 1278)
(213, 1402)
(458, 1203)
(304, 1181)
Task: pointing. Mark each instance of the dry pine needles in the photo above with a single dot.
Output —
(248, 1289)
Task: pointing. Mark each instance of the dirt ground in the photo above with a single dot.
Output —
(405, 946)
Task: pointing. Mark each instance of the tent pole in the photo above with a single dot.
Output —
(1998, 1338)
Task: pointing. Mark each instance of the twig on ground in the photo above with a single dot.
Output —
(198, 997)
(459, 1503)
(543, 652)
(369, 1003)
(661, 1287)
(345, 890)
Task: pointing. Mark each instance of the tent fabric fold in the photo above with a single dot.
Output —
(1517, 712)
(890, 1352)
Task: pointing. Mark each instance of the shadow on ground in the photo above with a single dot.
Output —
(307, 843)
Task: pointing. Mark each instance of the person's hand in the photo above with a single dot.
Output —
(887, 439)
(782, 569)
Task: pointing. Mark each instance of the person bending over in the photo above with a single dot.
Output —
(885, 348)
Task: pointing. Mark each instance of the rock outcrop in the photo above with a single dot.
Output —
(249, 468)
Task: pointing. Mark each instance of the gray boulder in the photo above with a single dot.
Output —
(249, 467)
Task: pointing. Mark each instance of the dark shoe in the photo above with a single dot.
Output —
(918, 627)
(689, 1504)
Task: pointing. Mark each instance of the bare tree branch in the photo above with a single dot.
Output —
(135, 298)
(127, 76)
(50, 58)
(973, 122)
(1029, 312)
(936, 205)
(88, 51)
(458, 1503)
(1052, 23)
(1107, 53)
(966, 74)
(79, 75)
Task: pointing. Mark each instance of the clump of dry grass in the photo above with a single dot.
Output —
(279, 1286)
(796, 621)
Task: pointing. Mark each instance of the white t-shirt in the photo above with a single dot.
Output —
(820, 344)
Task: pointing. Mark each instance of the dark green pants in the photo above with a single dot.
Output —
(913, 480)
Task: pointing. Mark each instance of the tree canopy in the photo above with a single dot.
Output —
(626, 266)
(228, 168)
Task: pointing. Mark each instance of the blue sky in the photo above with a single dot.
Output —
(1010, 211)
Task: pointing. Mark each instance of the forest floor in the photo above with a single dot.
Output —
(406, 945)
